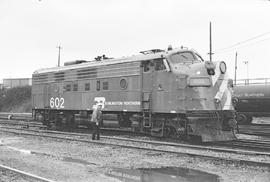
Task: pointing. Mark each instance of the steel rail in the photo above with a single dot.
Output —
(190, 146)
(264, 129)
(26, 124)
(255, 129)
(28, 175)
(256, 144)
(183, 153)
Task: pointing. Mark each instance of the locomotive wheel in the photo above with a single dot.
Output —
(169, 131)
(58, 123)
(124, 120)
(234, 126)
(244, 119)
(70, 124)
(120, 119)
(194, 139)
(249, 119)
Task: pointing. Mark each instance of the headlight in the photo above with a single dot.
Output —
(199, 82)
(210, 67)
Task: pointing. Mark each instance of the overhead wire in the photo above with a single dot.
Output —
(242, 42)
(250, 44)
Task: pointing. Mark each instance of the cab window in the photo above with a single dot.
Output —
(148, 66)
(159, 65)
(151, 65)
(183, 58)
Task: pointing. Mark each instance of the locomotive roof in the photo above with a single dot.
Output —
(95, 63)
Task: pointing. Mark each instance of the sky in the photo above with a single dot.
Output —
(31, 30)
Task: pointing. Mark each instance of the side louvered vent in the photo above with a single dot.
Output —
(59, 76)
(40, 78)
(87, 73)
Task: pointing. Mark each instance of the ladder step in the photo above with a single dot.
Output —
(146, 124)
(146, 109)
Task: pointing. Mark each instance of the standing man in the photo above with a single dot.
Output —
(96, 120)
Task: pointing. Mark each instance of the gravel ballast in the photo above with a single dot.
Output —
(61, 160)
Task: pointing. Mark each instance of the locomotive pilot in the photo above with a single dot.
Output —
(96, 120)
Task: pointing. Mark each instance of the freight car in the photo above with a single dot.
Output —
(167, 93)
(251, 99)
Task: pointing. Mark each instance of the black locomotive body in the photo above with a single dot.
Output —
(171, 93)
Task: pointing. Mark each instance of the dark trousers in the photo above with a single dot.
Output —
(96, 132)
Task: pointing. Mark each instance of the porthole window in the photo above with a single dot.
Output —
(123, 83)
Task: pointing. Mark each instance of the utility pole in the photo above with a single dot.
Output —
(210, 42)
(235, 68)
(59, 48)
(246, 63)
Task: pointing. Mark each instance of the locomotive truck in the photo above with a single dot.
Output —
(251, 99)
(167, 93)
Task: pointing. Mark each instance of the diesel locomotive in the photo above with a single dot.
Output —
(167, 93)
(252, 99)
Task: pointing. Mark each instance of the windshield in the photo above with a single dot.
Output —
(183, 58)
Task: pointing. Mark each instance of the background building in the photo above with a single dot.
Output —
(16, 82)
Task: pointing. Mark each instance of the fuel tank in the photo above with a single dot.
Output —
(252, 98)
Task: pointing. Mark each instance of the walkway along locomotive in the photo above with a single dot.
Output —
(168, 93)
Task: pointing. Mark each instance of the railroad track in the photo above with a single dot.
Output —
(252, 145)
(22, 123)
(12, 174)
(256, 145)
(212, 153)
(244, 147)
(255, 129)
(16, 116)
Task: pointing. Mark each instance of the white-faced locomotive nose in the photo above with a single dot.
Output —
(221, 83)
